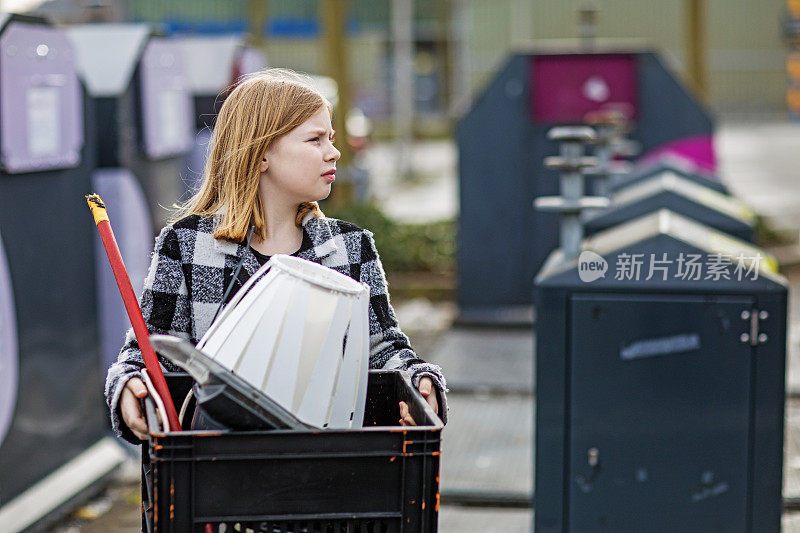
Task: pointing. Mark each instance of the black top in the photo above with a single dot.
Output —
(305, 245)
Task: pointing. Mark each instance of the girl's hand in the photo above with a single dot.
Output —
(130, 409)
(428, 392)
(405, 415)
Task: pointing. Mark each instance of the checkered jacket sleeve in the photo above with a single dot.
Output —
(166, 309)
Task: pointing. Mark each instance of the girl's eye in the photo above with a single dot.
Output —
(315, 139)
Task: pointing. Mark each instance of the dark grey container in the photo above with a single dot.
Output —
(669, 190)
(502, 241)
(659, 402)
(675, 166)
(56, 413)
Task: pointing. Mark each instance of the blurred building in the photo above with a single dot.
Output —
(745, 52)
(460, 43)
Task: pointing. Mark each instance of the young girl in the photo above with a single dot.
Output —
(272, 159)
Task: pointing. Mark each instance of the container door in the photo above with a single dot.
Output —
(659, 414)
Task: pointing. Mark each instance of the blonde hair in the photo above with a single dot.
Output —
(257, 112)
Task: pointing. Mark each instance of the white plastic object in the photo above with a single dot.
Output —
(151, 390)
(299, 332)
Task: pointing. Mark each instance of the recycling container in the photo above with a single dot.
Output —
(669, 190)
(660, 365)
(52, 414)
(502, 241)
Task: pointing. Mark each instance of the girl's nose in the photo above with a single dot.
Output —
(334, 154)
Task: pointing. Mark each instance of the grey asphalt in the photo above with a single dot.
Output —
(487, 446)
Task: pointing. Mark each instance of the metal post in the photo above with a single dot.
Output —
(571, 188)
(444, 13)
(695, 46)
(257, 11)
(571, 203)
(791, 34)
(587, 25)
(403, 94)
(611, 126)
(461, 56)
(334, 14)
(603, 155)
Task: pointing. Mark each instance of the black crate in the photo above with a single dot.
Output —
(382, 479)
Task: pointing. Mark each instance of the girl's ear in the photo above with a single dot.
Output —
(264, 165)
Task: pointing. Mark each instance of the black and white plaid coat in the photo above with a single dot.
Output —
(190, 271)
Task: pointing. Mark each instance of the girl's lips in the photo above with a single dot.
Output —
(330, 177)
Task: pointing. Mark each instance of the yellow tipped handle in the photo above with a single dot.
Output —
(132, 307)
(98, 208)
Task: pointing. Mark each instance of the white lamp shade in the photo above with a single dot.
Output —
(298, 331)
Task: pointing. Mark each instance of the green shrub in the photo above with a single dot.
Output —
(426, 247)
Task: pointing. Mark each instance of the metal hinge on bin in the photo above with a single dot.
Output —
(754, 337)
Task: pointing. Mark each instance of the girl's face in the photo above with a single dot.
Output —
(300, 166)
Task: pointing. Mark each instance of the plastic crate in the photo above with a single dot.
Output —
(381, 479)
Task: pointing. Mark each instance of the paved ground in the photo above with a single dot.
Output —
(432, 194)
(488, 443)
(761, 163)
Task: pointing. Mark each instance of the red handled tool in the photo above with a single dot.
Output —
(132, 307)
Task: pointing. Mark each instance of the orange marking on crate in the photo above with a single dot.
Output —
(423, 505)
(391, 459)
(437, 500)
(172, 499)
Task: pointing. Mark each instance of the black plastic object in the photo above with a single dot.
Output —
(222, 395)
(382, 479)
